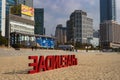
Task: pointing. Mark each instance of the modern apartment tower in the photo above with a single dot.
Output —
(79, 27)
(60, 34)
(107, 10)
(39, 21)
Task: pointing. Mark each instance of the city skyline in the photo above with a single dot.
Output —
(58, 12)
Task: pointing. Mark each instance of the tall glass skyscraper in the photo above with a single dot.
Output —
(39, 21)
(4, 10)
(107, 10)
(9, 3)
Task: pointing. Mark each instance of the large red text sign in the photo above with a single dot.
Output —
(51, 62)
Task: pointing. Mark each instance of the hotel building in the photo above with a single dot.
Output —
(60, 34)
(79, 27)
(110, 31)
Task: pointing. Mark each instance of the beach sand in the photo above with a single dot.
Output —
(91, 66)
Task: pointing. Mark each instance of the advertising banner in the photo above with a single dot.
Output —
(27, 10)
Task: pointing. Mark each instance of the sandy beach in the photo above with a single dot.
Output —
(91, 66)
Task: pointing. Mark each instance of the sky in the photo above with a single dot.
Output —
(58, 12)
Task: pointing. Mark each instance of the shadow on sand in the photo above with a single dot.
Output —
(18, 72)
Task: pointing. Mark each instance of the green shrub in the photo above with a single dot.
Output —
(3, 41)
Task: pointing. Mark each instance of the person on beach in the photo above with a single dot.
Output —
(32, 48)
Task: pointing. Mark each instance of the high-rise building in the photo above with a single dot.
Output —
(79, 27)
(25, 2)
(19, 21)
(0, 12)
(109, 28)
(2, 17)
(9, 4)
(39, 21)
(69, 31)
(60, 34)
(107, 10)
(110, 31)
(4, 9)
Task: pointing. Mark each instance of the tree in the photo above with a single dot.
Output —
(3, 40)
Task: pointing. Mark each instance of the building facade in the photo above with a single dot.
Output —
(2, 16)
(107, 10)
(21, 25)
(0, 13)
(4, 11)
(96, 33)
(20, 21)
(109, 28)
(60, 34)
(29, 40)
(79, 27)
(9, 4)
(39, 21)
(25, 2)
(20, 10)
(110, 34)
